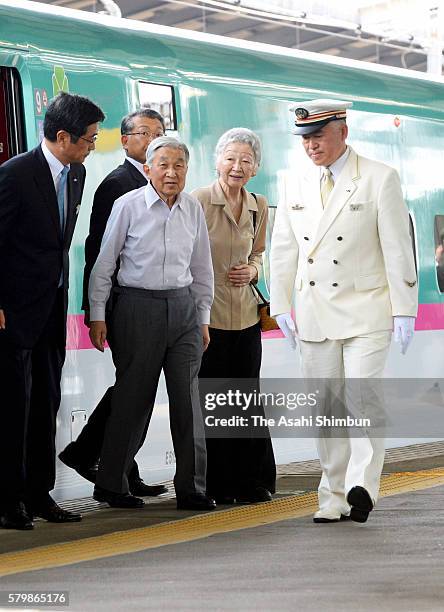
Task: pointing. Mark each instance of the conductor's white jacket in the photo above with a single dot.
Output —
(351, 266)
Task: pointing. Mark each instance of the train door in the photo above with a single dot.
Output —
(12, 139)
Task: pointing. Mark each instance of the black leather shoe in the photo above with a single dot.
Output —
(15, 516)
(256, 495)
(117, 500)
(53, 513)
(138, 487)
(87, 472)
(198, 501)
(361, 504)
(224, 500)
(321, 519)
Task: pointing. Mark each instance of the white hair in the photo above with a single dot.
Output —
(165, 141)
(240, 134)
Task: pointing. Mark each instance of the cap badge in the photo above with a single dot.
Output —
(301, 113)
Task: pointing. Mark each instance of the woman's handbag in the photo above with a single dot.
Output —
(267, 322)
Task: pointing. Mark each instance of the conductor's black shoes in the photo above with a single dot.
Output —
(324, 519)
(117, 500)
(198, 501)
(15, 516)
(361, 504)
(138, 487)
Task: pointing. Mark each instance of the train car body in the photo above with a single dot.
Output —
(209, 84)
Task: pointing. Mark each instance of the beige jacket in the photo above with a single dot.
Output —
(233, 308)
(350, 266)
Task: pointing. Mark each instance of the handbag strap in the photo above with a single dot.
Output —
(252, 285)
(258, 292)
(254, 214)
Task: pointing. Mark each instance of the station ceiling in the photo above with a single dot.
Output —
(223, 18)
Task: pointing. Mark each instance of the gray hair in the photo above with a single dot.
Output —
(127, 124)
(165, 141)
(240, 134)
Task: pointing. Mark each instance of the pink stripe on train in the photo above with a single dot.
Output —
(430, 317)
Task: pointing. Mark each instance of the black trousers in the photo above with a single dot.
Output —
(237, 465)
(30, 398)
(86, 449)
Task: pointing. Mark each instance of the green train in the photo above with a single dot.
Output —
(203, 85)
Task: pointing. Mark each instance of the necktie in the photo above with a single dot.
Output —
(61, 195)
(327, 185)
(61, 202)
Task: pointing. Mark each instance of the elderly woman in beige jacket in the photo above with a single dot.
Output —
(241, 469)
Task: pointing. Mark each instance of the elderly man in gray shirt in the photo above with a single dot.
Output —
(160, 321)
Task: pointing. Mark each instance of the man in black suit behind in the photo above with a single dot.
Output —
(138, 129)
(40, 194)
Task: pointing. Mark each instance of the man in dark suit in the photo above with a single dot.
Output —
(40, 194)
(138, 129)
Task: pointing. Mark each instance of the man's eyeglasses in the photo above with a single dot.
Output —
(145, 134)
(90, 140)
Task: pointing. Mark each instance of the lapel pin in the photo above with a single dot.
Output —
(410, 283)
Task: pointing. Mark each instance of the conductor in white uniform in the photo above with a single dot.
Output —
(341, 246)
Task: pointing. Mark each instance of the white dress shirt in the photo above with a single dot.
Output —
(337, 166)
(56, 167)
(158, 248)
(137, 165)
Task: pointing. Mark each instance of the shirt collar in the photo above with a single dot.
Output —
(137, 165)
(55, 165)
(152, 197)
(337, 166)
(218, 196)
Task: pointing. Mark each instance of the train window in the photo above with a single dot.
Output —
(161, 99)
(12, 138)
(439, 251)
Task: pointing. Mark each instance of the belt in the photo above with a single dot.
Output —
(154, 293)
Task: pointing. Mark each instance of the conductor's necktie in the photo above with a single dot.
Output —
(327, 185)
(61, 195)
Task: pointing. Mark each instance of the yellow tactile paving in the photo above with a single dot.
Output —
(403, 482)
(196, 527)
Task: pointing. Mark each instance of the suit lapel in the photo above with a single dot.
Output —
(135, 176)
(343, 190)
(73, 206)
(311, 197)
(45, 185)
(312, 190)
